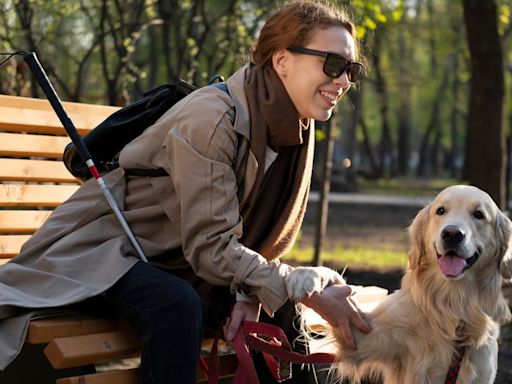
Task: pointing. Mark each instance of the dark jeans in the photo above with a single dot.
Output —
(168, 317)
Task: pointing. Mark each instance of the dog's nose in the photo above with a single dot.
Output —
(452, 235)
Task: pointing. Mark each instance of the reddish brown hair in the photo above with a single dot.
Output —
(293, 23)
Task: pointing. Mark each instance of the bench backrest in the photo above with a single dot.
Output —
(33, 178)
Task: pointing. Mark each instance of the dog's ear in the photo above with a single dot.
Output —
(504, 235)
(416, 232)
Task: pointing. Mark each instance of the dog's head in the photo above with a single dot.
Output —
(462, 230)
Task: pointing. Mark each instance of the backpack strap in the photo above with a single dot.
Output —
(159, 172)
(222, 86)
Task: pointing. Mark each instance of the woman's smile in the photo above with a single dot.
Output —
(330, 97)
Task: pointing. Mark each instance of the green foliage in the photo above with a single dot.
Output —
(113, 53)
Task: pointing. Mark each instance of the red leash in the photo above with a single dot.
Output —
(276, 350)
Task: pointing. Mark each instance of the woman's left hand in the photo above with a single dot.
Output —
(242, 310)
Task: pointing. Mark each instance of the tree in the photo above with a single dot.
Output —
(486, 145)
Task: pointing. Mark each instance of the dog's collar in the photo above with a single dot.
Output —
(453, 370)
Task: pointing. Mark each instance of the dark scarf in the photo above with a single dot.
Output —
(273, 212)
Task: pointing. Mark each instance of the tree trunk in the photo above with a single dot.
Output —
(487, 153)
(351, 141)
(368, 148)
(454, 126)
(433, 126)
(404, 109)
(386, 160)
(325, 188)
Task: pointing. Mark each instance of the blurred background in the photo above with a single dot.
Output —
(434, 108)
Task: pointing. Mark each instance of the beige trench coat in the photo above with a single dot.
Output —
(81, 250)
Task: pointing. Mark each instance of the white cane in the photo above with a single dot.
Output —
(53, 98)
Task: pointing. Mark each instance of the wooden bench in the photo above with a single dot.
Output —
(33, 181)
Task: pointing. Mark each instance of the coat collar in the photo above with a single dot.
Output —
(236, 90)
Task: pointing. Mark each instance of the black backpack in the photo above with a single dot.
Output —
(107, 139)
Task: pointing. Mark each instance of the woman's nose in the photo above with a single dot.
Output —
(342, 80)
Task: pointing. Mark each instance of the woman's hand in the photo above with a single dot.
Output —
(336, 307)
(242, 310)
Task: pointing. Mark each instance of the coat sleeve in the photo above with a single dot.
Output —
(201, 148)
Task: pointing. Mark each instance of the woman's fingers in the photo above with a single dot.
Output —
(346, 332)
(359, 322)
(233, 324)
(242, 310)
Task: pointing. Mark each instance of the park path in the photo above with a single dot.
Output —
(364, 198)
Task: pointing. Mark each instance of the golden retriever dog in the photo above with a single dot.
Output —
(450, 296)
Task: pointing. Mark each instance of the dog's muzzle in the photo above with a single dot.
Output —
(451, 262)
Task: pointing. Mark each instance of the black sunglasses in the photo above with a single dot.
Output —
(334, 64)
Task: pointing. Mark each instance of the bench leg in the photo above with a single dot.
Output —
(31, 366)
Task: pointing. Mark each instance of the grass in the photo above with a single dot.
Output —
(358, 256)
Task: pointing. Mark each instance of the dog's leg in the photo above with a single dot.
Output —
(480, 365)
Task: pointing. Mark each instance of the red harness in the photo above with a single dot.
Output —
(277, 352)
(453, 370)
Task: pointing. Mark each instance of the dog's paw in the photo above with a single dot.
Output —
(304, 281)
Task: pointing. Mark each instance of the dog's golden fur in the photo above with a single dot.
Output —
(415, 329)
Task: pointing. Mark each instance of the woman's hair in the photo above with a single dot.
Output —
(293, 24)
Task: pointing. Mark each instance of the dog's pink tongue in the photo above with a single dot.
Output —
(451, 265)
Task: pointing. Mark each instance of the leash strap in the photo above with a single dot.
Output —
(277, 352)
(271, 341)
(453, 370)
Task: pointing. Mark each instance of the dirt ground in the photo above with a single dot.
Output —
(386, 227)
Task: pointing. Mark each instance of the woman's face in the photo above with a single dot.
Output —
(313, 93)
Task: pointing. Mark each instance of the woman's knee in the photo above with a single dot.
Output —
(180, 301)
(186, 300)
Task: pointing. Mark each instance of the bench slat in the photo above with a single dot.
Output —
(125, 376)
(100, 110)
(10, 245)
(34, 121)
(22, 221)
(19, 195)
(67, 352)
(227, 365)
(34, 170)
(20, 114)
(45, 330)
(27, 145)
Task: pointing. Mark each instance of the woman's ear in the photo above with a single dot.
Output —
(416, 233)
(504, 236)
(280, 62)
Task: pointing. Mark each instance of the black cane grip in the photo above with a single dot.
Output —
(41, 77)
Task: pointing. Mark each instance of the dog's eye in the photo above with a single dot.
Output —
(478, 215)
(440, 211)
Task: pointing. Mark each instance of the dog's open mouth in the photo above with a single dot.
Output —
(452, 264)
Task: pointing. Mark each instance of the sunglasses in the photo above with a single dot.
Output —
(334, 65)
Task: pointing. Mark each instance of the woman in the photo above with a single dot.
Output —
(239, 165)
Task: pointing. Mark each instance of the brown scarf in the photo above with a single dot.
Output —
(274, 210)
